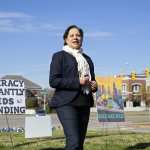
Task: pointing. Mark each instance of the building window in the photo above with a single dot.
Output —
(148, 89)
(124, 88)
(136, 88)
(125, 103)
(136, 103)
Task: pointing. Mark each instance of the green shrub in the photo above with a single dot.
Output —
(31, 103)
(49, 110)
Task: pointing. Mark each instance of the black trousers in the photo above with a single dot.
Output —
(74, 121)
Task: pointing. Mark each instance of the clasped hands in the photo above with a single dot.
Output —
(85, 81)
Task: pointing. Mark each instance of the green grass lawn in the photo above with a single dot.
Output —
(95, 140)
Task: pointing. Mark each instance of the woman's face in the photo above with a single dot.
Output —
(74, 39)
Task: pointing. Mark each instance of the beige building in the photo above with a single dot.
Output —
(134, 92)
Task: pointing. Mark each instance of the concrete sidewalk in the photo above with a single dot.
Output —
(134, 121)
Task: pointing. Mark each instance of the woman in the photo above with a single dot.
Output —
(72, 75)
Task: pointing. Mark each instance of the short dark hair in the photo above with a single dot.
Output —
(68, 29)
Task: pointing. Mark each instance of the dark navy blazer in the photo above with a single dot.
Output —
(64, 78)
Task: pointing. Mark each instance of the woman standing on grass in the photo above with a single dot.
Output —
(72, 75)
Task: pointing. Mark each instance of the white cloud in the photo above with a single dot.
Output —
(50, 27)
(22, 22)
(23, 25)
(31, 25)
(15, 22)
(7, 25)
(99, 34)
(5, 15)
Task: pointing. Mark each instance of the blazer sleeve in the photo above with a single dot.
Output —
(56, 78)
(92, 72)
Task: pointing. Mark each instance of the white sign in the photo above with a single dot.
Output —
(12, 96)
(38, 126)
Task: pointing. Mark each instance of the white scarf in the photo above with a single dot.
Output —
(83, 66)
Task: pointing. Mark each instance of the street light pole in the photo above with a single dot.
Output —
(44, 102)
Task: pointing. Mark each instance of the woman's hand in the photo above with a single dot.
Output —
(93, 86)
(84, 80)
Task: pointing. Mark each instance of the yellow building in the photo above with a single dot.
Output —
(108, 84)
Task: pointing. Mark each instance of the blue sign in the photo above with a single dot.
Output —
(110, 110)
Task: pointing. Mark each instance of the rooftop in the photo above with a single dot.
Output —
(28, 83)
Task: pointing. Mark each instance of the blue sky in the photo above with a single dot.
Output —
(117, 35)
